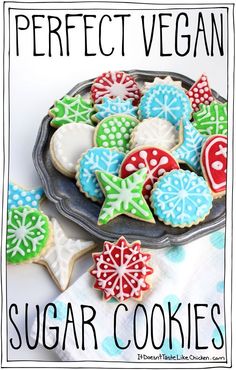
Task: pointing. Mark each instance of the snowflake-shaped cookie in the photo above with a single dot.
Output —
(27, 234)
(94, 159)
(121, 270)
(167, 102)
(200, 92)
(211, 119)
(156, 132)
(71, 109)
(115, 131)
(114, 84)
(162, 81)
(123, 196)
(181, 198)
(109, 107)
(62, 254)
(156, 160)
(189, 148)
(21, 197)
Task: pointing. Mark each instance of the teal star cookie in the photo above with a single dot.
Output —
(190, 146)
(109, 107)
(123, 196)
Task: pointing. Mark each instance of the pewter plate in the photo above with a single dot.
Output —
(71, 203)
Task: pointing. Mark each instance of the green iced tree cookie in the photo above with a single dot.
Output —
(123, 196)
(27, 234)
(211, 119)
(71, 109)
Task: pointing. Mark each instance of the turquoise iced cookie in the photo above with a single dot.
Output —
(103, 159)
(166, 102)
(190, 145)
(109, 107)
(21, 197)
(181, 198)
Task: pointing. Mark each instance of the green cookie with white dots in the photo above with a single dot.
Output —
(115, 131)
(28, 233)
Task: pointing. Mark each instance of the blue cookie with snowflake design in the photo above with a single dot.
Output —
(109, 107)
(103, 159)
(21, 197)
(166, 102)
(190, 145)
(181, 198)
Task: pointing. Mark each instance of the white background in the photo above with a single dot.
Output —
(35, 82)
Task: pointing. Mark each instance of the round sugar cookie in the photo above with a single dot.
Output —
(214, 164)
(28, 234)
(115, 131)
(155, 132)
(115, 84)
(157, 162)
(67, 145)
(181, 198)
(94, 159)
(165, 101)
(18, 196)
(162, 81)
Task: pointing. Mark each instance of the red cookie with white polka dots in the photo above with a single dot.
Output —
(214, 163)
(115, 84)
(156, 160)
(200, 93)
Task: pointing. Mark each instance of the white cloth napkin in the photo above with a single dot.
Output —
(192, 274)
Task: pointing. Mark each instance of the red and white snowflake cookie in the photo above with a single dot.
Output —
(214, 163)
(200, 93)
(121, 270)
(156, 160)
(115, 84)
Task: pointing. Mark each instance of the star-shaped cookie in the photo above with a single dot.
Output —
(190, 144)
(123, 196)
(60, 257)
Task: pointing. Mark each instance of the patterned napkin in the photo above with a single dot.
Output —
(190, 274)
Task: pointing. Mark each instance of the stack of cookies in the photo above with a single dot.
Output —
(156, 150)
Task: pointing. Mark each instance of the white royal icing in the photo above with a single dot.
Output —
(162, 81)
(155, 132)
(69, 142)
(61, 254)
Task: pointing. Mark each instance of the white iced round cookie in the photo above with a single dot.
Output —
(155, 132)
(67, 145)
(162, 81)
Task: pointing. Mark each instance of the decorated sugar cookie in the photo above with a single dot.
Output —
(123, 196)
(181, 198)
(214, 164)
(71, 109)
(104, 159)
(115, 84)
(61, 256)
(109, 107)
(211, 119)
(121, 270)
(156, 160)
(200, 92)
(18, 196)
(67, 145)
(115, 131)
(156, 132)
(28, 234)
(190, 145)
(162, 81)
(166, 102)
